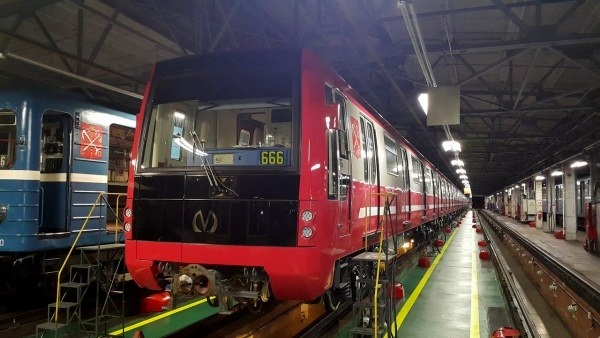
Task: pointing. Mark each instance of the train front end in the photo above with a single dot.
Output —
(213, 207)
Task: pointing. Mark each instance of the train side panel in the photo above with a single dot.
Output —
(48, 188)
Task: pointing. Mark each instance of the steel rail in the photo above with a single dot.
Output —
(525, 322)
(578, 283)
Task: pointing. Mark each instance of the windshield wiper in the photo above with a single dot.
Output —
(218, 188)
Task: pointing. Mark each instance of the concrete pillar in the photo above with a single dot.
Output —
(538, 204)
(569, 211)
(550, 199)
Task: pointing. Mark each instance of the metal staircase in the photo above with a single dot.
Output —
(374, 308)
(99, 266)
(372, 312)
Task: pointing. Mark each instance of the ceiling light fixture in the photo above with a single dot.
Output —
(451, 146)
(457, 163)
(578, 164)
(424, 101)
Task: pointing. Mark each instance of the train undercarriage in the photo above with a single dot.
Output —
(226, 287)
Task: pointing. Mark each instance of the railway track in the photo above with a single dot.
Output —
(278, 319)
(572, 296)
(21, 323)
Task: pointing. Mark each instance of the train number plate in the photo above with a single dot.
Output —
(272, 157)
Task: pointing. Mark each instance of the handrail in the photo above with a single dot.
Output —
(101, 195)
(382, 234)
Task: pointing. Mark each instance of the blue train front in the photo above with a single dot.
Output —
(55, 159)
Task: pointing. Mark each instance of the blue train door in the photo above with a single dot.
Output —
(55, 172)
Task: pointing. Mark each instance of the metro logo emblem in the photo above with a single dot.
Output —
(356, 143)
(209, 224)
(91, 141)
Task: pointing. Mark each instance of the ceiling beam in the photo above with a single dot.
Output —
(510, 15)
(91, 10)
(528, 110)
(473, 9)
(580, 39)
(52, 42)
(23, 7)
(72, 57)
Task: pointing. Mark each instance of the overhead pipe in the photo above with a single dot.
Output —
(418, 42)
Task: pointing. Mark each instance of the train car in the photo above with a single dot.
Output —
(56, 154)
(582, 197)
(259, 174)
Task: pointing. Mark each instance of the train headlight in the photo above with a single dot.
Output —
(3, 212)
(127, 212)
(307, 232)
(127, 226)
(306, 216)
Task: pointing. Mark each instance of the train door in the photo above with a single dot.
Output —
(436, 195)
(55, 172)
(339, 163)
(371, 171)
(559, 203)
(420, 198)
(119, 152)
(404, 201)
(428, 192)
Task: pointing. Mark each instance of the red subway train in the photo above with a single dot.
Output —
(259, 174)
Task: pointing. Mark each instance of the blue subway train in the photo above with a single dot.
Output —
(57, 154)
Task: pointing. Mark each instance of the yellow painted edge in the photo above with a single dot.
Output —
(413, 297)
(474, 294)
(158, 317)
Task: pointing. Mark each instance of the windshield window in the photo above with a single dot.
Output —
(8, 139)
(249, 123)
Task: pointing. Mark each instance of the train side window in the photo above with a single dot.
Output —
(341, 101)
(8, 139)
(587, 191)
(342, 121)
(369, 150)
(329, 100)
(428, 181)
(391, 155)
(363, 136)
(372, 153)
(53, 147)
(436, 183)
(417, 172)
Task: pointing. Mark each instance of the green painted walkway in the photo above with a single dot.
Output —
(163, 324)
(459, 297)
